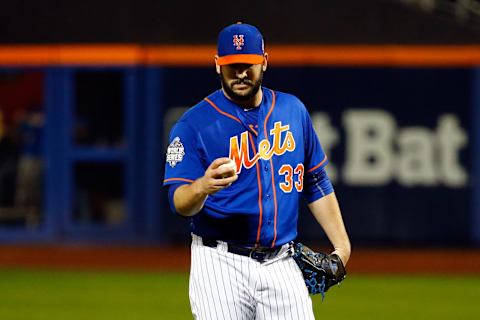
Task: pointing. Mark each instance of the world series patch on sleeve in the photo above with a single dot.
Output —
(320, 270)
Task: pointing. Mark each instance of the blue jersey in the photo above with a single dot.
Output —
(261, 207)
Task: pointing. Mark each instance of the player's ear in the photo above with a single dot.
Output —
(217, 67)
(265, 62)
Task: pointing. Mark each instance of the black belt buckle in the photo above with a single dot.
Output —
(260, 256)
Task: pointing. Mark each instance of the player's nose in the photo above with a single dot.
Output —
(241, 74)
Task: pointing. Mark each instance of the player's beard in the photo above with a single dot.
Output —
(248, 94)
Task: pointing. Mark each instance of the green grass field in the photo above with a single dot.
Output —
(29, 295)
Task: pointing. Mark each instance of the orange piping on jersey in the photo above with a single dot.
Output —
(257, 241)
(177, 179)
(275, 204)
(318, 165)
(254, 131)
(272, 171)
(222, 112)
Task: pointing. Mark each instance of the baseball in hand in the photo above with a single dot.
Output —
(231, 167)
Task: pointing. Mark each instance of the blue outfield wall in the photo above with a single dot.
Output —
(403, 145)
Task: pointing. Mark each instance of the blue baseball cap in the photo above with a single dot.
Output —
(240, 43)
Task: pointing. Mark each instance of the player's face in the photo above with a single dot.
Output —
(241, 82)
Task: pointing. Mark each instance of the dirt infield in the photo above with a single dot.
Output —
(70, 257)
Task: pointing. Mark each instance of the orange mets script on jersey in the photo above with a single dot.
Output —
(240, 152)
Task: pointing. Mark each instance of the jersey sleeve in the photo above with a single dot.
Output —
(171, 191)
(315, 158)
(317, 185)
(183, 157)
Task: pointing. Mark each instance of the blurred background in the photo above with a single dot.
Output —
(90, 89)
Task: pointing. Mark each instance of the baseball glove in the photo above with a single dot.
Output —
(320, 270)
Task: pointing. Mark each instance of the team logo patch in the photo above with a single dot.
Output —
(175, 152)
(238, 41)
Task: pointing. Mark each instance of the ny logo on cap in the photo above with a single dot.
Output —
(238, 41)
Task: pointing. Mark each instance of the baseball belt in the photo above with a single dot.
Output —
(258, 254)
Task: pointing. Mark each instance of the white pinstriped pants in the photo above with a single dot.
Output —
(227, 286)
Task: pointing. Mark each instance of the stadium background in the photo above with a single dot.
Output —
(89, 90)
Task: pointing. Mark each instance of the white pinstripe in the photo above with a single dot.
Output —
(226, 286)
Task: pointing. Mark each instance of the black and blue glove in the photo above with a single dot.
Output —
(320, 270)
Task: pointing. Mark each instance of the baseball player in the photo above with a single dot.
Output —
(236, 166)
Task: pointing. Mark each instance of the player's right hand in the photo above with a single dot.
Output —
(219, 175)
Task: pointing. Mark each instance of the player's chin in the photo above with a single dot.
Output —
(242, 94)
